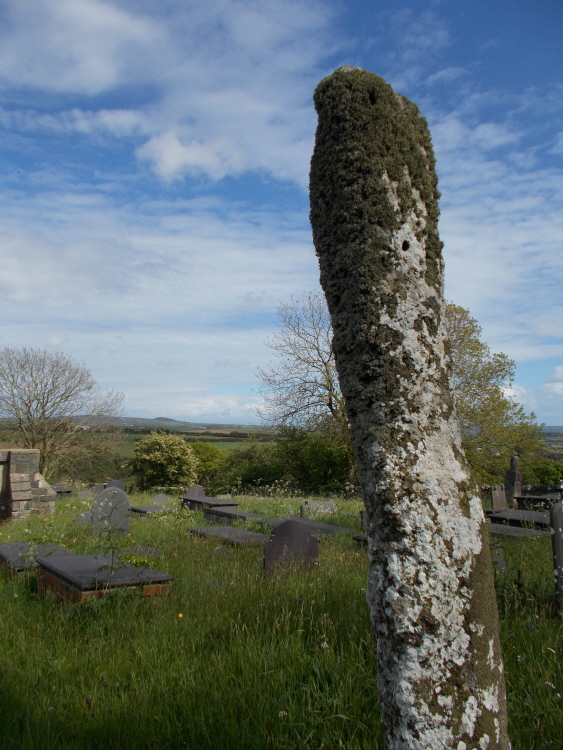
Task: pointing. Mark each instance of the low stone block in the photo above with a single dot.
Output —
(313, 508)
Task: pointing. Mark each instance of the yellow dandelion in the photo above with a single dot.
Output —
(180, 615)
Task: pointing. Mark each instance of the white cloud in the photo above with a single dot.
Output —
(553, 388)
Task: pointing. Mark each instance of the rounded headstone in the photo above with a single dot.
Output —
(117, 483)
(291, 544)
(110, 511)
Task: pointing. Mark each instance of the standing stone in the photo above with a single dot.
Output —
(513, 481)
(117, 483)
(374, 212)
(110, 511)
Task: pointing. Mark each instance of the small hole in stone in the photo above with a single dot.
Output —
(372, 97)
(406, 245)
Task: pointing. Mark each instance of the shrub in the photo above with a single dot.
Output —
(254, 464)
(162, 460)
(209, 460)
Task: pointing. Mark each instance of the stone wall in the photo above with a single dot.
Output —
(23, 490)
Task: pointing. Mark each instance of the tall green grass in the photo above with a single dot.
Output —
(231, 658)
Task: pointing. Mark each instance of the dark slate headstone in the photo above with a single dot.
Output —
(90, 572)
(22, 556)
(85, 495)
(317, 528)
(515, 531)
(240, 537)
(291, 544)
(117, 483)
(97, 488)
(513, 480)
(556, 522)
(199, 503)
(110, 511)
(149, 510)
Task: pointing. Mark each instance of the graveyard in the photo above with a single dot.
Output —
(228, 653)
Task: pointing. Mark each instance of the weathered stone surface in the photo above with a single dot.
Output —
(513, 480)
(228, 515)
(117, 483)
(19, 556)
(503, 529)
(520, 518)
(317, 528)
(314, 508)
(374, 213)
(110, 512)
(498, 497)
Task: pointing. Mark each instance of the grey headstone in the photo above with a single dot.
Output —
(364, 517)
(290, 544)
(194, 492)
(240, 537)
(110, 511)
(85, 495)
(149, 510)
(513, 480)
(313, 508)
(498, 497)
(89, 572)
(97, 488)
(161, 499)
(556, 521)
(117, 483)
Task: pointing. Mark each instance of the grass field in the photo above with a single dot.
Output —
(128, 445)
(232, 659)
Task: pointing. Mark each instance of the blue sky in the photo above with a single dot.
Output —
(154, 169)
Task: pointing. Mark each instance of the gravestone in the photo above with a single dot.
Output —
(84, 518)
(85, 495)
(97, 488)
(291, 544)
(498, 497)
(198, 503)
(556, 521)
(503, 529)
(83, 576)
(520, 518)
(117, 483)
(110, 512)
(313, 508)
(194, 492)
(239, 537)
(62, 490)
(20, 556)
(513, 480)
(161, 499)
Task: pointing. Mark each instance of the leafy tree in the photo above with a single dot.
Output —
(301, 389)
(314, 461)
(251, 465)
(209, 459)
(50, 402)
(542, 471)
(493, 425)
(161, 460)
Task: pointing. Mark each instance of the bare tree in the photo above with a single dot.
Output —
(300, 388)
(50, 402)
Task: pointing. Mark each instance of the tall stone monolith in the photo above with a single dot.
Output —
(374, 212)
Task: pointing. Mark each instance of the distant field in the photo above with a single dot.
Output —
(128, 446)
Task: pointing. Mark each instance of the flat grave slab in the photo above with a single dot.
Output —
(520, 517)
(197, 503)
(61, 490)
(240, 537)
(361, 539)
(226, 515)
(516, 531)
(536, 502)
(317, 528)
(82, 576)
(18, 556)
(147, 510)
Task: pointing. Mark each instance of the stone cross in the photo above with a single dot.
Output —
(374, 213)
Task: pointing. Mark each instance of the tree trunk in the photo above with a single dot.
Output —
(374, 213)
